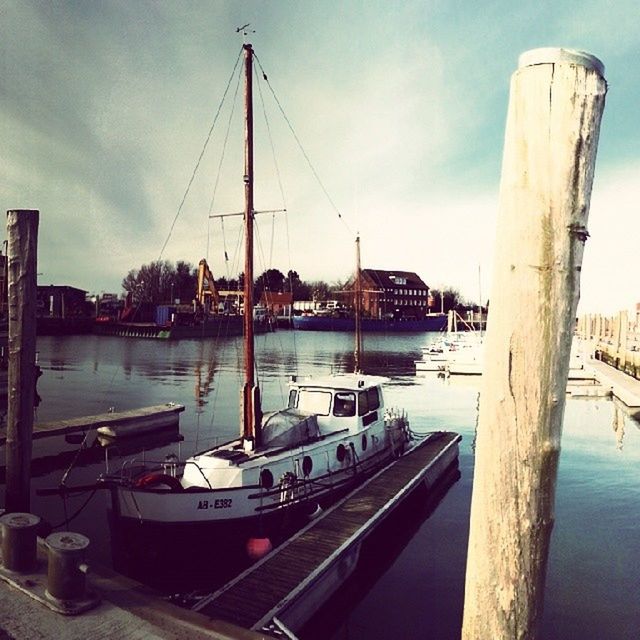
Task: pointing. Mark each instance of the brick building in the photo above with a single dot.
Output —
(386, 294)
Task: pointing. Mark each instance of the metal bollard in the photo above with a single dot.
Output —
(19, 541)
(66, 567)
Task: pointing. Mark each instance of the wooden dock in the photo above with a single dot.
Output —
(291, 582)
(113, 424)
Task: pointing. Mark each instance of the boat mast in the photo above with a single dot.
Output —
(251, 411)
(358, 306)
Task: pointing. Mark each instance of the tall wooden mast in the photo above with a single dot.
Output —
(251, 411)
(358, 308)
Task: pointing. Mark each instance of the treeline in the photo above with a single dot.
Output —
(162, 282)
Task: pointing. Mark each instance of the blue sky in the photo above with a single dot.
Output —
(400, 106)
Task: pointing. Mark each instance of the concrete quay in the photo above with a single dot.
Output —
(126, 609)
(623, 386)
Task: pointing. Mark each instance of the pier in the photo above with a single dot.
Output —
(113, 423)
(126, 609)
(290, 583)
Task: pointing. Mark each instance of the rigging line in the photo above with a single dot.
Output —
(226, 139)
(304, 153)
(273, 149)
(195, 170)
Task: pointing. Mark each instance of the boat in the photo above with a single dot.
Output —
(334, 433)
(212, 314)
(430, 322)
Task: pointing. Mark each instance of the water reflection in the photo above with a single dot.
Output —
(593, 576)
(377, 555)
(66, 453)
(618, 425)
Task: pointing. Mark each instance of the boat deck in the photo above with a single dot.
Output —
(328, 545)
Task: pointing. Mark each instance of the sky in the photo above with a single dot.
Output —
(398, 110)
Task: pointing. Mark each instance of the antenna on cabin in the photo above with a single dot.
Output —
(245, 31)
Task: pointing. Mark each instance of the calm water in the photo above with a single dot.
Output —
(412, 583)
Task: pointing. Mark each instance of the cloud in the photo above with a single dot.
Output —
(104, 108)
(610, 262)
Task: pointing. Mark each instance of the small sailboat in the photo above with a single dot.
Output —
(334, 432)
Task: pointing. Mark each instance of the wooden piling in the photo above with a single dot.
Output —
(22, 250)
(556, 102)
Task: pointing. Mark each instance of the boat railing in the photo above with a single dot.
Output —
(171, 466)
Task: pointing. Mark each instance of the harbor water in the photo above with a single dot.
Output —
(411, 582)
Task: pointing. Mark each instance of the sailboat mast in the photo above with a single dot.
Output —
(251, 413)
(358, 308)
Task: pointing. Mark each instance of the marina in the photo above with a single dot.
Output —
(185, 470)
(421, 585)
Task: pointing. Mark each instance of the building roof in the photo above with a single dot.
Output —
(387, 279)
(59, 287)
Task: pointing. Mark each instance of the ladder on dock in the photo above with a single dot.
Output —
(290, 583)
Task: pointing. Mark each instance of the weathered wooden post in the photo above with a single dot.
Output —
(623, 319)
(22, 251)
(556, 102)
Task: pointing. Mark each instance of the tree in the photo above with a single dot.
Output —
(185, 282)
(446, 299)
(270, 280)
(300, 290)
(160, 281)
(320, 290)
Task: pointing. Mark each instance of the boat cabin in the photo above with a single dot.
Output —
(339, 402)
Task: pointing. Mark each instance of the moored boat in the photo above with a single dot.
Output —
(334, 432)
(431, 322)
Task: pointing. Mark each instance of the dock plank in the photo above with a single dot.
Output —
(246, 601)
(160, 414)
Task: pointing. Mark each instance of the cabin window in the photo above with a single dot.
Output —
(344, 404)
(293, 397)
(363, 404)
(314, 401)
(373, 398)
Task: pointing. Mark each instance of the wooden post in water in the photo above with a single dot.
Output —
(22, 252)
(623, 319)
(556, 102)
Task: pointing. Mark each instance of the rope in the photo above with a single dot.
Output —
(224, 148)
(68, 519)
(195, 170)
(304, 153)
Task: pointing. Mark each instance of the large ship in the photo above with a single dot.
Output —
(430, 322)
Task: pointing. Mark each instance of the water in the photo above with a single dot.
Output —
(412, 583)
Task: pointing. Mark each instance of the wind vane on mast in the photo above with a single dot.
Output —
(243, 29)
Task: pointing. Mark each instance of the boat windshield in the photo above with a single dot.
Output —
(314, 401)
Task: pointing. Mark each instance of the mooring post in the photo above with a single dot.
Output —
(556, 103)
(22, 250)
(624, 338)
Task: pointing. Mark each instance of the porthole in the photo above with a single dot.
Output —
(307, 465)
(341, 452)
(266, 479)
(364, 441)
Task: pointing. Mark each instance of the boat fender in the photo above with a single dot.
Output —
(156, 481)
(258, 547)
